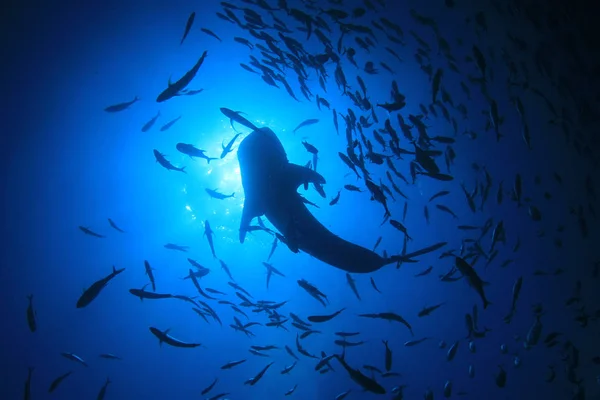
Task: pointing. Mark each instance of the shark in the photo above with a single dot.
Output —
(270, 184)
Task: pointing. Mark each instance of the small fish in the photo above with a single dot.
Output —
(215, 194)
(210, 33)
(74, 357)
(102, 391)
(446, 210)
(325, 318)
(88, 231)
(439, 194)
(114, 226)
(31, 315)
(148, 125)
(191, 151)
(305, 123)
(352, 285)
(412, 343)
(110, 356)
(232, 364)
(169, 124)
(425, 271)
(121, 106)
(208, 232)
(164, 337)
(57, 381)
(188, 26)
(94, 290)
(172, 246)
(428, 310)
(335, 200)
(160, 158)
(388, 356)
(209, 387)
(150, 274)
(227, 149)
(374, 285)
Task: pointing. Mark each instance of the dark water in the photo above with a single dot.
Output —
(68, 163)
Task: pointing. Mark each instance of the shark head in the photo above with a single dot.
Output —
(270, 185)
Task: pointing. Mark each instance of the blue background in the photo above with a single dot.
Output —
(66, 163)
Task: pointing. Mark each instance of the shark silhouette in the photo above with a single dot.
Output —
(270, 185)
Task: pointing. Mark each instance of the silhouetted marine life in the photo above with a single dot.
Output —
(93, 291)
(270, 184)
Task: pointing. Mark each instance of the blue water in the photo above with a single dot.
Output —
(67, 163)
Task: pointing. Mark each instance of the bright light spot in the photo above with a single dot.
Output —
(187, 207)
(184, 189)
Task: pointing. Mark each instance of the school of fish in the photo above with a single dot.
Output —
(393, 144)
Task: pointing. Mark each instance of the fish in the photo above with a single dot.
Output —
(215, 194)
(209, 387)
(364, 381)
(164, 337)
(472, 278)
(325, 318)
(374, 285)
(174, 89)
(253, 381)
(515, 296)
(121, 106)
(270, 184)
(74, 357)
(415, 342)
(169, 124)
(150, 274)
(188, 26)
(109, 356)
(388, 356)
(160, 158)
(27, 391)
(292, 390)
(305, 123)
(352, 285)
(232, 364)
(208, 232)
(114, 226)
(426, 271)
(428, 310)
(390, 317)
(211, 33)
(235, 116)
(172, 246)
(58, 380)
(227, 149)
(94, 290)
(439, 194)
(148, 125)
(31, 323)
(191, 151)
(270, 271)
(102, 391)
(88, 231)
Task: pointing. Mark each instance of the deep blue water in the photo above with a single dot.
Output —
(68, 163)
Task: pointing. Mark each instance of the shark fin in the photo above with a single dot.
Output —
(250, 211)
(298, 175)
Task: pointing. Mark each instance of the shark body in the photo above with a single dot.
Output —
(270, 185)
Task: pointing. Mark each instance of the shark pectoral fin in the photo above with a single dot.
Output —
(298, 175)
(249, 212)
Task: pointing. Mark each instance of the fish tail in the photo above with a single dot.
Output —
(486, 303)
